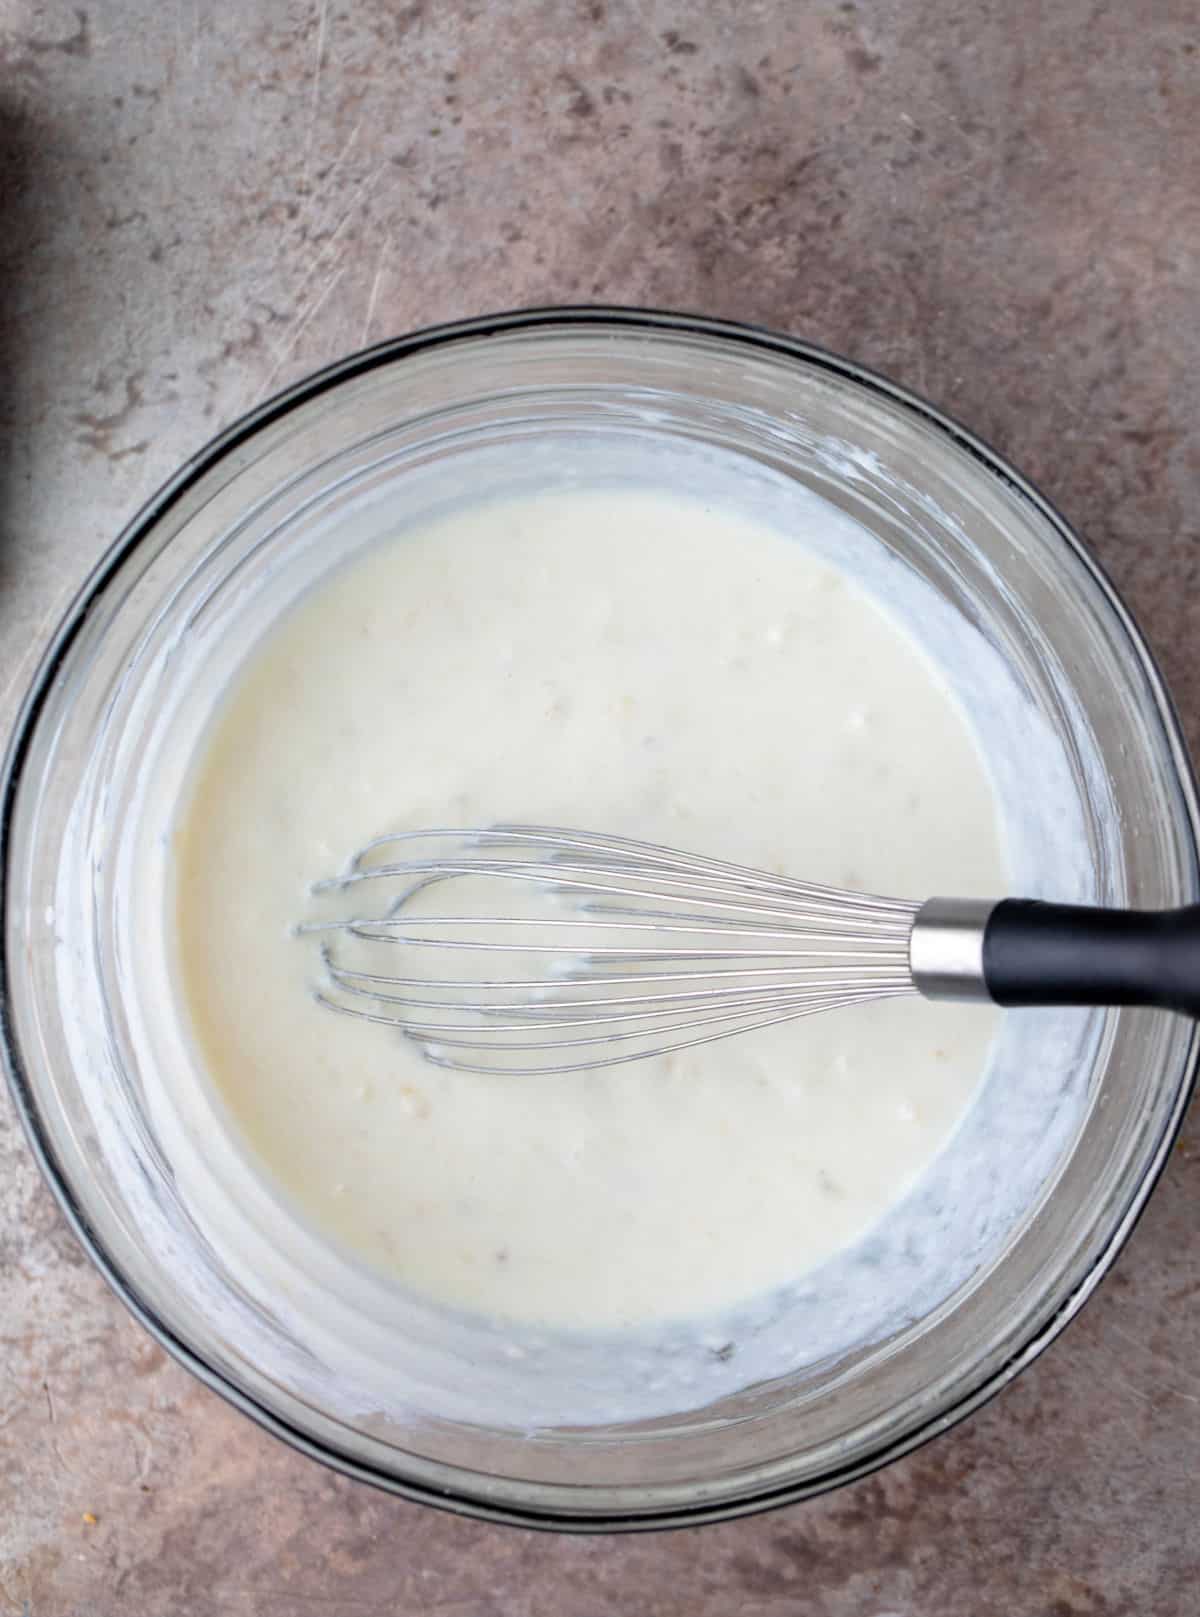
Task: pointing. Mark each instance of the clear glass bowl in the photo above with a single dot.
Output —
(997, 554)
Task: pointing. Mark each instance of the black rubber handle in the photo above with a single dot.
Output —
(1070, 954)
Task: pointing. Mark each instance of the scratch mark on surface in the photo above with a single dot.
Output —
(1164, 1382)
(298, 331)
(1126, 1336)
(315, 98)
(141, 1453)
(53, 1424)
(602, 265)
(329, 246)
(374, 298)
(283, 353)
(1130, 1386)
(327, 182)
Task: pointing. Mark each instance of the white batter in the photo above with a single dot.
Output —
(626, 661)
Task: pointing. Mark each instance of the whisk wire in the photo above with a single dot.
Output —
(659, 951)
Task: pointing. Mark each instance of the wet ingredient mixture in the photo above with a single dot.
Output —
(634, 661)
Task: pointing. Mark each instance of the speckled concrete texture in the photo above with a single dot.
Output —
(995, 202)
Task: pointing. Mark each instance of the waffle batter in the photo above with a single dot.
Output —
(636, 662)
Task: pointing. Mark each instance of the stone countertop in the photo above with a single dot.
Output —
(992, 201)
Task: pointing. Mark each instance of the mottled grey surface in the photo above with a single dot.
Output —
(994, 201)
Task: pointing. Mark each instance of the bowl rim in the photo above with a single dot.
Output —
(550, 317)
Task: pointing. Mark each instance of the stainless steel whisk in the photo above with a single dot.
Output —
(599, 950)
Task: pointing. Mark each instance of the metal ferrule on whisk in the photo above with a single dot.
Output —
(945, 950)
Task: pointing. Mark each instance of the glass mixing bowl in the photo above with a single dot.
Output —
(282, 479)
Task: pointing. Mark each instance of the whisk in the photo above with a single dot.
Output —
(553, 951)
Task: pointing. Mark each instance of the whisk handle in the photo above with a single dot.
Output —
(1071, 954)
